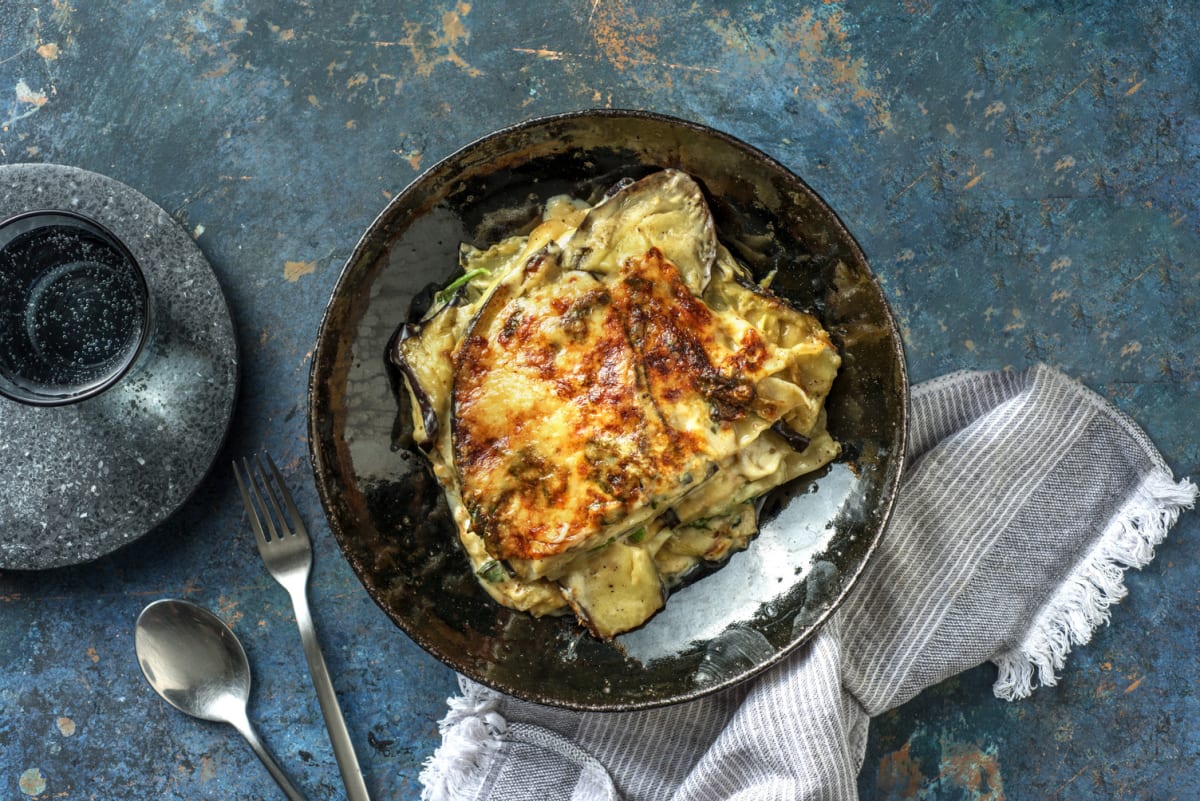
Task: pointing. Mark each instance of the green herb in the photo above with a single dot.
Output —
(638, 535)
(444, 295)
(492, 571)
(603, 545)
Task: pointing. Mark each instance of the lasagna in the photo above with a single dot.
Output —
(604, 398)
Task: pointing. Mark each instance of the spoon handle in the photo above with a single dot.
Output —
(242, 724)
(335, 724)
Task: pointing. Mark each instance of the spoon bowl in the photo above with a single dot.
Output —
(192, 659)
(197, 664)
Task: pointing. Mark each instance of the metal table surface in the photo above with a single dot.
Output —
(1023, 177)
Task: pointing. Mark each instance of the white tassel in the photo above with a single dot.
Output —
(471, 738)
(1082, 603)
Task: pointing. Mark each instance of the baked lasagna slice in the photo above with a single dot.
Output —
(604, 398)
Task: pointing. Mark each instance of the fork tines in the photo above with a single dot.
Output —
(267, 500)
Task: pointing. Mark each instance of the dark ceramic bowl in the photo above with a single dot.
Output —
(391, 520)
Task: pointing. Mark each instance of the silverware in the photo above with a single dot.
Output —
(287, 552)
(195, 662)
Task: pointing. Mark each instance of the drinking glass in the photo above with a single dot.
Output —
(74, 308)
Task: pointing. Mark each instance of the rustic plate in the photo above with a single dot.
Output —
(79, 481)
(390, 518)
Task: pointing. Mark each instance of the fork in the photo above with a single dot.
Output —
(287, 553)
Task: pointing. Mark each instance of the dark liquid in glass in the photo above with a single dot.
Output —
(74, 309)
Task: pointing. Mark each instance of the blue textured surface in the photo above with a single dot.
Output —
(1025, 180)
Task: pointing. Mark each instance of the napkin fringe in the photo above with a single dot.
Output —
(472, 735)
(1082, 602)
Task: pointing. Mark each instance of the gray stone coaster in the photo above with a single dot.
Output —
(79, 481)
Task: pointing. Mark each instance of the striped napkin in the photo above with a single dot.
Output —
(1026, 498)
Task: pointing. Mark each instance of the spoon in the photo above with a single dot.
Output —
(195, 662)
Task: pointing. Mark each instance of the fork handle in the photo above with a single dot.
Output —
(343, 750)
